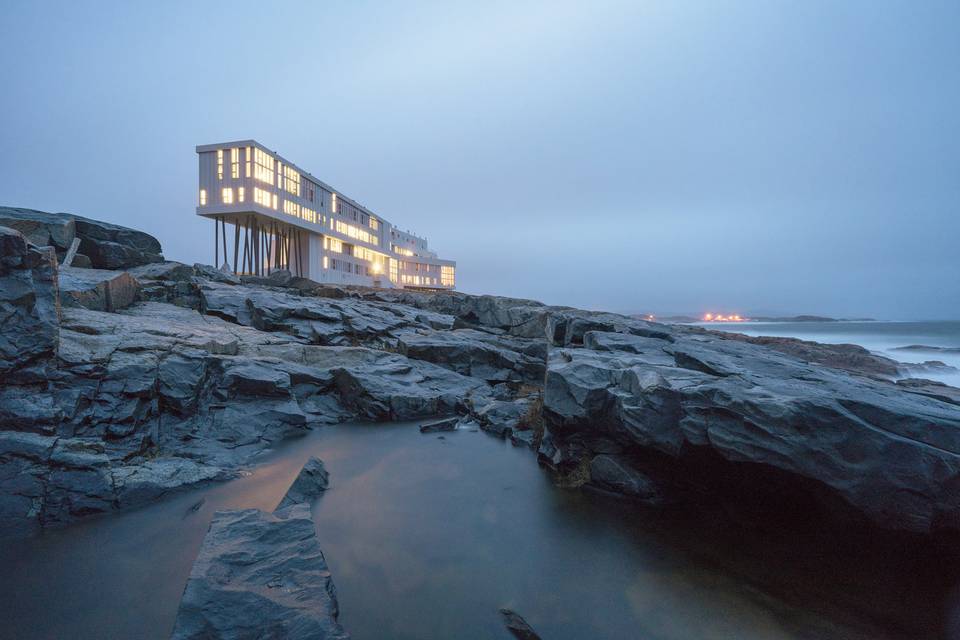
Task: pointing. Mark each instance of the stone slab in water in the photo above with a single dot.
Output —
(260, 576)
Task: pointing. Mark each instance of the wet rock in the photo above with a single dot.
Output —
(446, 424)
(260, 575)
(145, 482)
(98, 289)
(312, 481)
(517, 626)
(891, 456)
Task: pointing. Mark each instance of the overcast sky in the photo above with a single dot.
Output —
(752, 157)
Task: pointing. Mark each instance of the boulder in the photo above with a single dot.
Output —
(39, 227)
(111, 246)
(312, 481)
(98, 289)
(29, 302)
(617, 475)
(108, 246)
(260, 575)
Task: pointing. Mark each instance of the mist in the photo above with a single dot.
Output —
(752, 157)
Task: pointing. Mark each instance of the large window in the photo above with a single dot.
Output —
(264, 198)
(249, 159)
(263, 168)
(219, 164)
(355, 232)
(235, 163)
(291, 180)
(203, 197)
(227, 196)
(333, 202)
(332, 244)
(447, 276)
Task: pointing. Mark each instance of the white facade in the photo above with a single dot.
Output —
(281, 217)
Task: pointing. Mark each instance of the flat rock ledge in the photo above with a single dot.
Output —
(260, 576)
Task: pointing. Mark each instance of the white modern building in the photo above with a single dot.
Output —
(281, 217)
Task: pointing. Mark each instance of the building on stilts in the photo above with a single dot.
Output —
(269, 214)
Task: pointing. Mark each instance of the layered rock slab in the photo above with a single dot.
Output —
(260, 576)
(892, 456)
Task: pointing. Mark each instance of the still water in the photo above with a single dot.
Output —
(880, 337)
(427, 537)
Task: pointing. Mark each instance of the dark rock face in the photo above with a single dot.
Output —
(107, 246)
(260, 576)
(312, 481)
(892, 456)
(517, 626)
(29, 303)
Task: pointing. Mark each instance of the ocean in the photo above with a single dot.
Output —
(881, 337)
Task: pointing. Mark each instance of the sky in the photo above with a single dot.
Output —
(762, 157)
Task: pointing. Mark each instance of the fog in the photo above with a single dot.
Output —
(751, 157)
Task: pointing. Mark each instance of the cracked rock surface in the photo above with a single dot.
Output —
(105, 406)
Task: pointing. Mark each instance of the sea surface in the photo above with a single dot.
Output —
(428, 536)
(882, 337)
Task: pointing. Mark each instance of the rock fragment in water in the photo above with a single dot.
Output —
(259, 575)
(446, 424)
(517, 626)
(312, 480)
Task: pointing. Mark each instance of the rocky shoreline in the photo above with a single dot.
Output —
(138, 377)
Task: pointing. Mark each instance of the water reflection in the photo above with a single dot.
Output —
(428, 536)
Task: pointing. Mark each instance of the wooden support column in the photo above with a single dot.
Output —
(216, 242)
(223, 228)
(236, 244)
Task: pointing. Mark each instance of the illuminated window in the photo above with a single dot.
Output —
(291, 180)
(402, 251)
(355, 232)
(203, 197)
(394, 271)
(447, 276)
(291, 208)
(333, 202)
(240, 194)
(332, 244)
(263, 197)
(326, 262)
(235, 162)
(227, 196)
(263, 164)
(374, 224)
(249, 159)
(308, 214)
(219, 164)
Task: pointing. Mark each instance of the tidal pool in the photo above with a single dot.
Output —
(428, 536)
